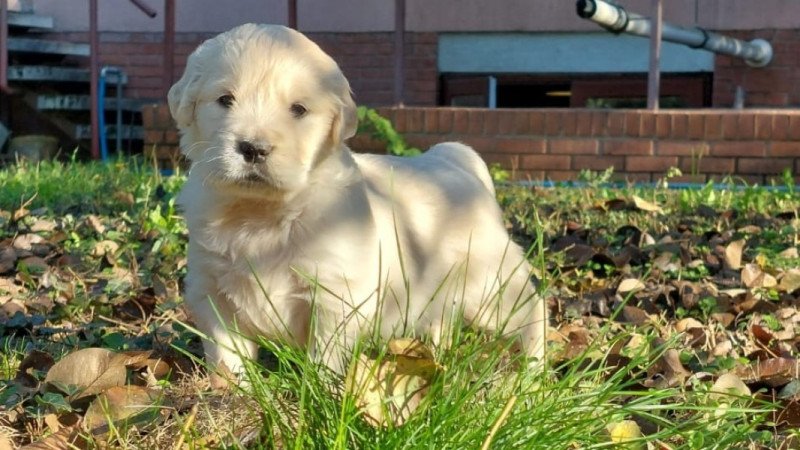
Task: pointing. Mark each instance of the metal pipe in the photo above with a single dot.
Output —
(94, 62)
(399, 50)
(654, 75)
(4, 45)
(169, 46)
(144, 7)
(292, 14)
(756, 53)
(492, 103)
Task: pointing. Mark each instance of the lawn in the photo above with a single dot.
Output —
(674, 325)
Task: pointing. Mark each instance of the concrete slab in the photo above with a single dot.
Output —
(30, 45)
(33, 21)
(54, 74)
(82, 103)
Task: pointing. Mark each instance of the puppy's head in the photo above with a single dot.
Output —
(259, 106)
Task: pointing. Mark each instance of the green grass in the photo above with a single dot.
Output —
(568, 407)
(85, 187)
(482, 388)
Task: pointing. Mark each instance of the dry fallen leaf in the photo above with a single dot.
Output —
(687, 323)
(89, 371)
(630, 285)
(668, 371)
(26, 241)
(104, 247)
(36, 360)
(5, 442)
(774, 372)
(644, 205)
(754, 277)
(728, 385)
(390, 390)
(68, 438)
(8, 258)
(123, 405)
(95, 224)
(733, 254)
(43, 225)
(790, 281)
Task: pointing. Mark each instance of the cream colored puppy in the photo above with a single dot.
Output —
(292, 237)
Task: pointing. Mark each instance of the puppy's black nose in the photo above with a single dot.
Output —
(251, 153)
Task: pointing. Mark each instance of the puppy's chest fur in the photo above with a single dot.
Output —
(250, 247)
(260, 250)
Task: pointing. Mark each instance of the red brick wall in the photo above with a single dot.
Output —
(365, 58)
(776, 85)
(557, 144)
(367, 61)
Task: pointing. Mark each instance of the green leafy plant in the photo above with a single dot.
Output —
(380, 128)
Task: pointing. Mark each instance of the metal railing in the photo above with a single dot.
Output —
(4, 46)
(94, 62)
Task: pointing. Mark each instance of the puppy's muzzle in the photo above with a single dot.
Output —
(251, 153)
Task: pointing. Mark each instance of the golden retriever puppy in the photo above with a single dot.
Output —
(294, 238)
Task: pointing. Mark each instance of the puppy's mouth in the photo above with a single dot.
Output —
(254, 178)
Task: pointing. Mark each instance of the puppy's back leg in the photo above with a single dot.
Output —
(515, 309)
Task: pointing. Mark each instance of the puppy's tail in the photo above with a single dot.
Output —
(466, 159)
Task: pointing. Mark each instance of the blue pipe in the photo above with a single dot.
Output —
(670, 185)
(101, 107)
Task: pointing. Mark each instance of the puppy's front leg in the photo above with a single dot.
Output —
(226, 344)
(334, 336)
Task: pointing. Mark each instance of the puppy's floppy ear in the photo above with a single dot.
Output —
(345, 121)
(182, 96)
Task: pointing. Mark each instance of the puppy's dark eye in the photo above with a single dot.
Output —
(298, 110)
(226, 101)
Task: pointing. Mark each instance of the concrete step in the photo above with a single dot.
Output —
(82, 103)
(31, 45)
(25, 6)
(31, 21)
(23, 74)
(135, 132)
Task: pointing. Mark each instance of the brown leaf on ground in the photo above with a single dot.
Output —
(103, 248)
(68, 438)
(789, 282)
(762, 335)
(727, 385)
(25, 242)
(733, 254)
(137, 308)
(95, 224)
(644, 205)
(5, 442)
(614, 204)
(389, 391)
(788, 415)
(774, 372)
(635, 315)
(123, 406)
(36, 360)
(577, 341)
(92, 370)
(630, 285)
(8, 257)
(687, 323)
(668, 371)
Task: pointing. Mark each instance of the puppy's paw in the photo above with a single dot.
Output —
(221, 378)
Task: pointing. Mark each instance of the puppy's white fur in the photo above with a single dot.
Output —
(407, 245)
